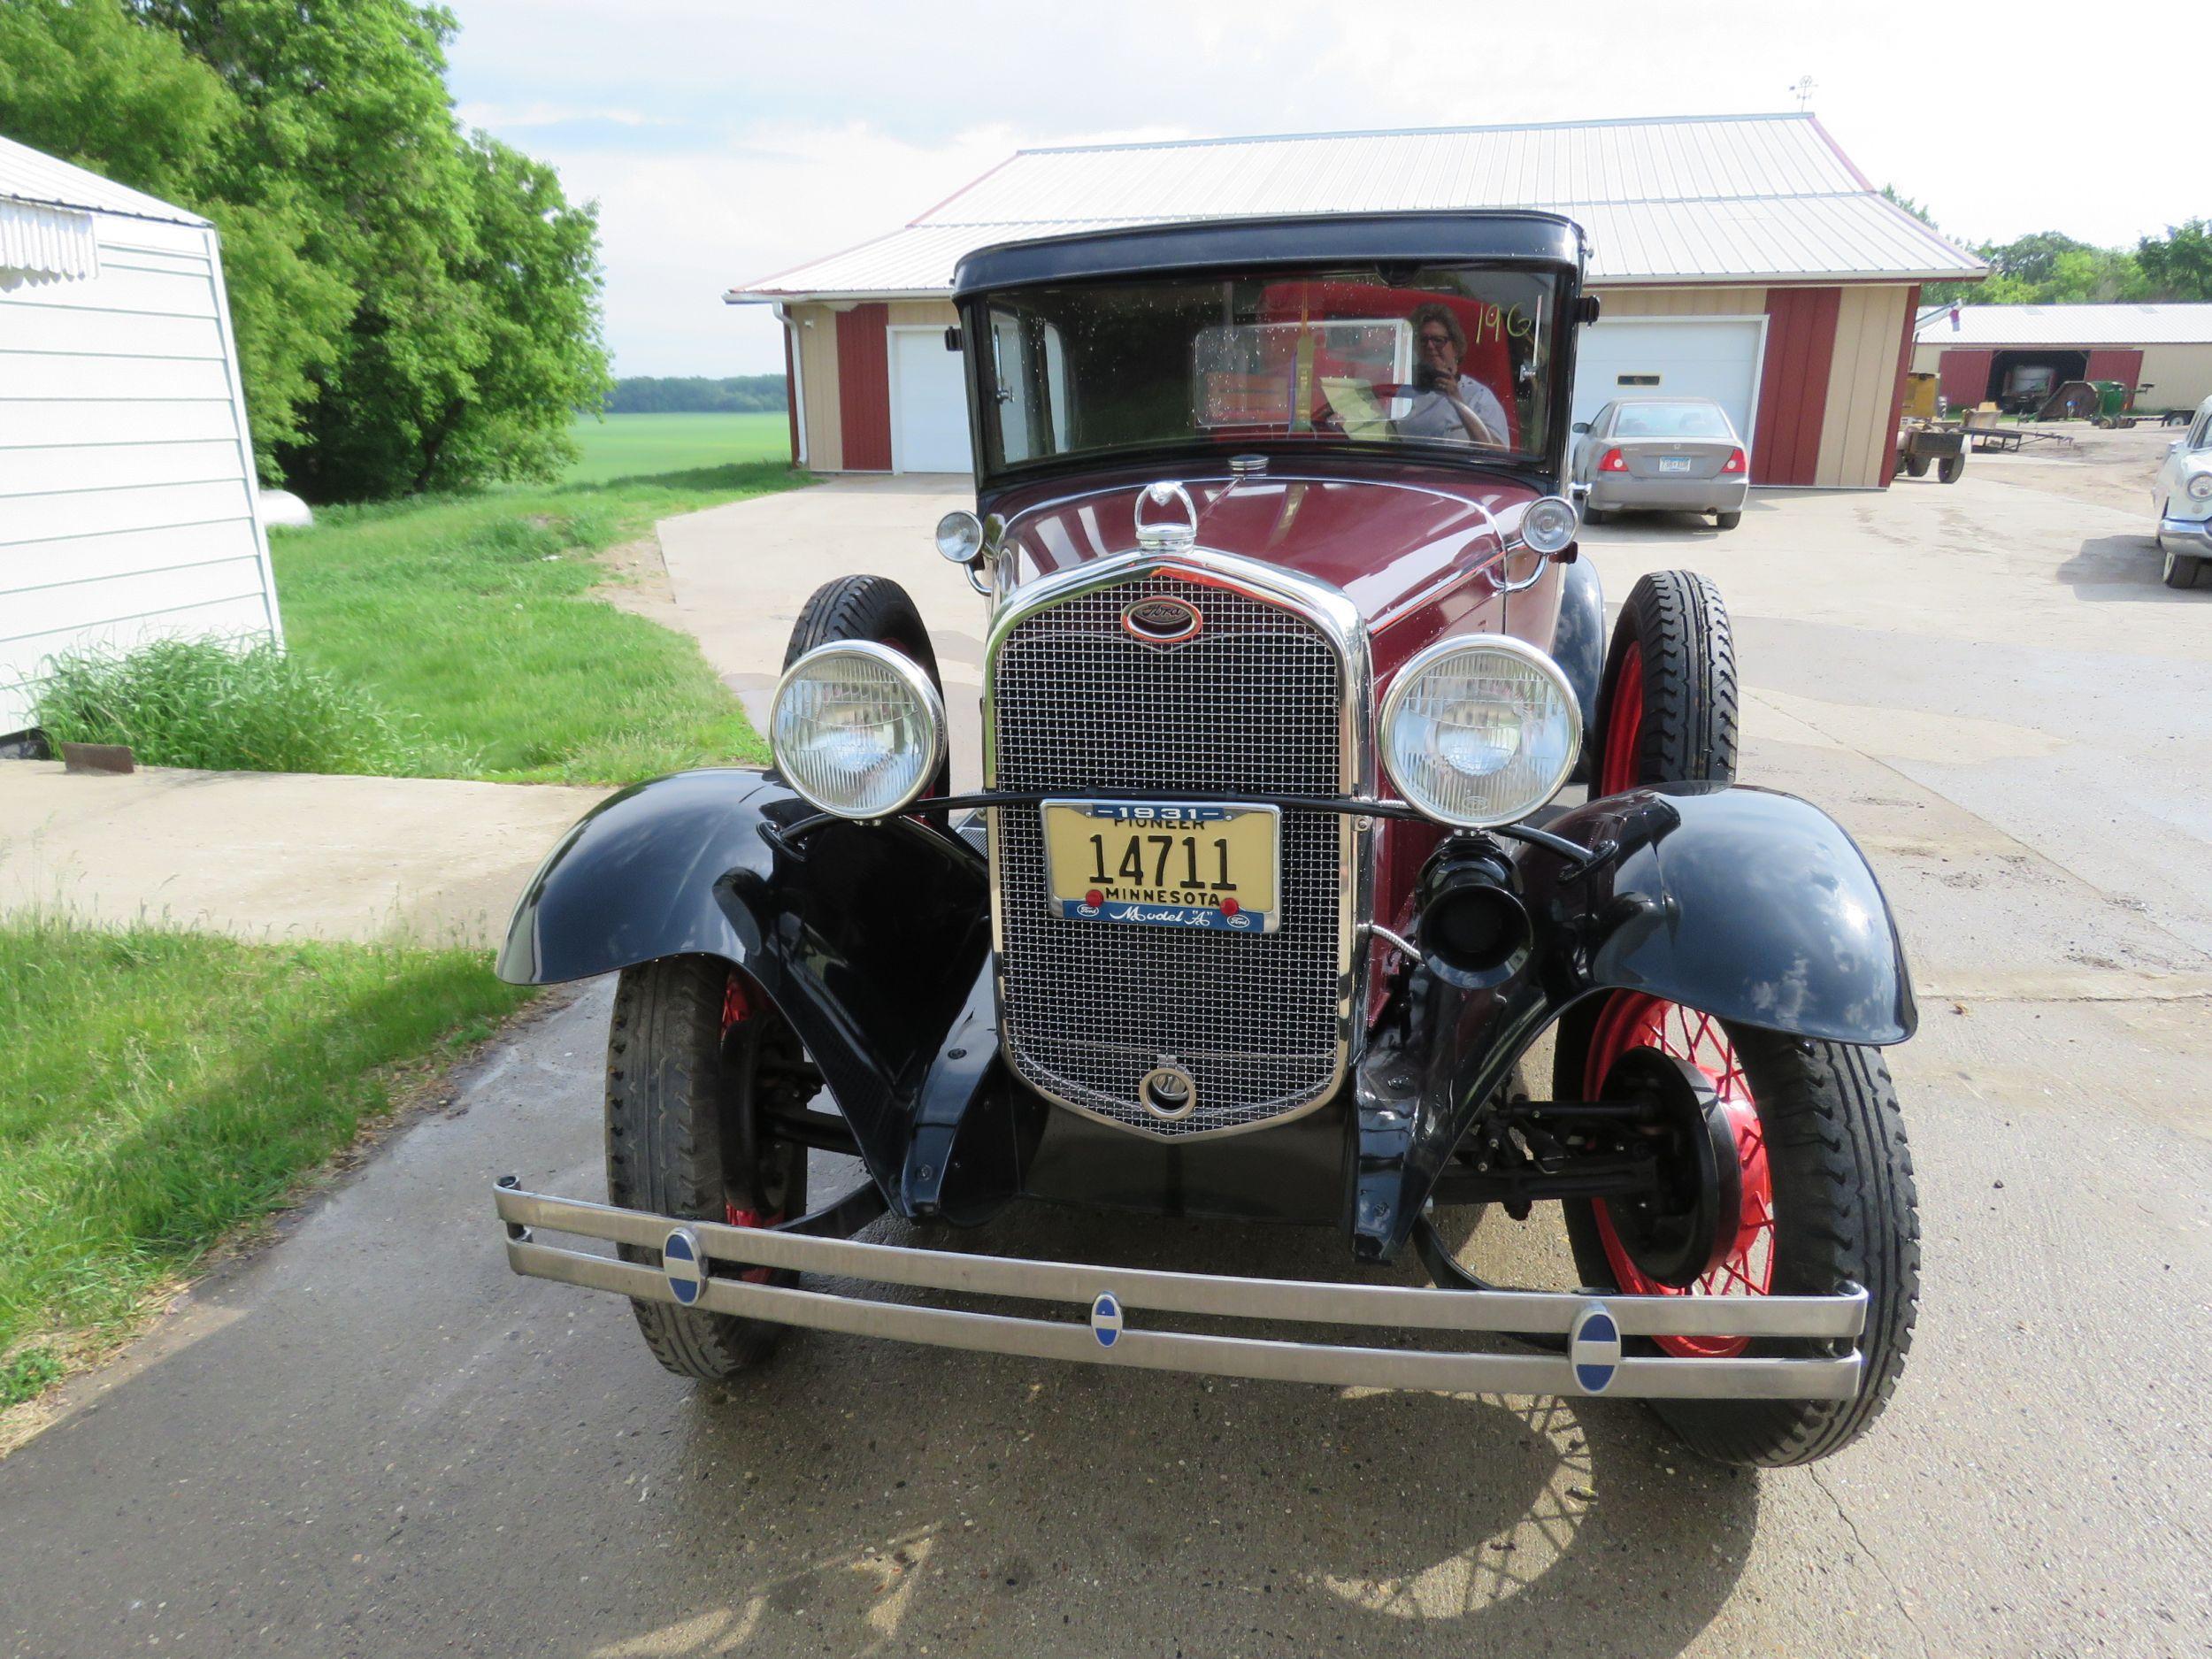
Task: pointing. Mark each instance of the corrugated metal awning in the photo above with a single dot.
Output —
(42, 243)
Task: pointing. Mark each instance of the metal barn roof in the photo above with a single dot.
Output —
(1715, 198)
(2067, 326)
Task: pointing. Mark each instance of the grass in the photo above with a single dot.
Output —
(193, 703)
(468, 617)
(158, 1088)
(623, 446)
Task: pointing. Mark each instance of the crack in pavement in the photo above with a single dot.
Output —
(1896, 1591)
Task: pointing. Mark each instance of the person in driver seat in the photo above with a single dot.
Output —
(1455, 407)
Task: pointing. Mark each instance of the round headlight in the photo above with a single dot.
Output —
(1549, 523)
(857, 729)
(1480, 731)
(2200, 487)
(960, 536)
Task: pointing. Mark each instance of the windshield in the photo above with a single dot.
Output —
(1429, 359)
(1670, 420)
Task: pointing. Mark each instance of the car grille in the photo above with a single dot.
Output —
(1252, 704)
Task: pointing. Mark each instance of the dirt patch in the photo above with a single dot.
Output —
(637, 581)
(2105, 469)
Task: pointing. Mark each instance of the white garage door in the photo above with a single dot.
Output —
(1639, 356)
(929, 404)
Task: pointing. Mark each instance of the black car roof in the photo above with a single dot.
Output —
(1330, 239)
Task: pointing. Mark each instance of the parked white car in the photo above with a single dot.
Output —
(2184, 495)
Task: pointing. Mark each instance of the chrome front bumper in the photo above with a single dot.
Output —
(2193, 536)
(1588, 1327)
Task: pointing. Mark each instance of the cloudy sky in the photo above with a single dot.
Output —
(725, 140)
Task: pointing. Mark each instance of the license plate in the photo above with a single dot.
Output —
(1674, 464)
(1163, 864)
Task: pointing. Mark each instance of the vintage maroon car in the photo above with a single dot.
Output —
(1277, 879)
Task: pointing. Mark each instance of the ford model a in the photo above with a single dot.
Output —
(1279, 884)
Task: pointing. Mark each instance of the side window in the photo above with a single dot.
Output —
(2200, 438)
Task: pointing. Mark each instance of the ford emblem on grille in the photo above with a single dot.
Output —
(1161, 620)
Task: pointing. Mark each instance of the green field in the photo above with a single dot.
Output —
(624, 446)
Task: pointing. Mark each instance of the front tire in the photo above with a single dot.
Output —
(869, 608)
(2181, 569)
(1827, 1198)
(694, 1057)
(1668, 713)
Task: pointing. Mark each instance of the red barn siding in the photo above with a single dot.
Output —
(1793, 383)
(1897, 396)
(1962, 377)
(2117, 362)
(863, 387)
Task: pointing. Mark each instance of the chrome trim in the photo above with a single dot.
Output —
(1401, 682)
(2194, 533)
(1329, 609)
(908, 671)
(1839, 1318)
(1404, 946)
(1162, 537)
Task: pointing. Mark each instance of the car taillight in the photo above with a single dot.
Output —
(1734, 463)
(1613, 462)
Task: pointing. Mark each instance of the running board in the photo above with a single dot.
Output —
(1593, 1325)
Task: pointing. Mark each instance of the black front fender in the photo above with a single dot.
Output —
(1750, 905)
(872, 940)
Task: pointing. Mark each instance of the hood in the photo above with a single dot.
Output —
(1381, 538)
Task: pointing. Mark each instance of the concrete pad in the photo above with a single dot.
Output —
(743, 572)
(276, 856)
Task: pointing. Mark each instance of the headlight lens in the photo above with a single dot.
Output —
(959, 535)
(1481, 731)
(1549, 523)
(857, 729)
(2200, 487)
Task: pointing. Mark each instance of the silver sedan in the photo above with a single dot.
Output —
(1663, 454)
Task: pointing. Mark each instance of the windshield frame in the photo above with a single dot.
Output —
(1540, 468)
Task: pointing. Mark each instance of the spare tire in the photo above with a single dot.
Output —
(869, 608)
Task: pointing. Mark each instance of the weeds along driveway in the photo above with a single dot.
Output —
(277, 856)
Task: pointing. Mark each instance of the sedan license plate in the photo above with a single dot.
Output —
(1674, 464)
(1162, 863)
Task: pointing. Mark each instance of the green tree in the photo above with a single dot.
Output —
(415, 307)
(86, 83)
(2177, 266)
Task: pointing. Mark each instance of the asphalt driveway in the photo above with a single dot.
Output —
(371, 1439)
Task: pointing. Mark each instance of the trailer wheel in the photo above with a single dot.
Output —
(1668, 710)
(1825, 1196)
(695, 1056)
(1949, 467)
(1917, 465)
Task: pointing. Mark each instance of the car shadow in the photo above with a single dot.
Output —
(1110, 1510)
(2129, 567)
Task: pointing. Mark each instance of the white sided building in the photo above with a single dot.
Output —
(127, 503)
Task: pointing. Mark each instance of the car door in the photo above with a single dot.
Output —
(1586, 446)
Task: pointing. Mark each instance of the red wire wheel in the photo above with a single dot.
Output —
(1624, 717)
(1628, 1021)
